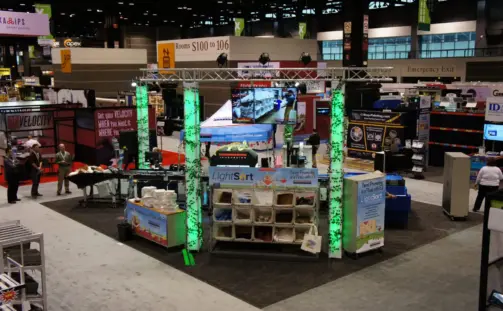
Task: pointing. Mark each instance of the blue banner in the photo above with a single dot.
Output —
(221, 177)
(147, 223)
(370, 214)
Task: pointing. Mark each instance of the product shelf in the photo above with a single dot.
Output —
(263, 215)
(242, 214)
(222, 215)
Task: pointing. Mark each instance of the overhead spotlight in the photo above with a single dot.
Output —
(264, 58)
(133, 84)
(222, 60)
(305, 58)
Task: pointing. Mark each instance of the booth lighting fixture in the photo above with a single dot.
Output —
(142, 118)
(222, 60)
(336, 174)
(264, 58)
(193, 166)
(305, 58)
(133, 84)
(297, 84)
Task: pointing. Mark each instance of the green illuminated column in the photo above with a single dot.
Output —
(193, 166)
(142, 115)
(336, 173)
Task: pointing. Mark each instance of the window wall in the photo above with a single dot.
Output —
(379, 48)
(461, 44)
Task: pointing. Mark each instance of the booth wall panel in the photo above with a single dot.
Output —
(278, 48)
(105, 79)
(88, 56)
(86, 137)
(65, 133)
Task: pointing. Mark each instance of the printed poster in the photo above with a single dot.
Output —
(246, 177)
(147, 223)
(370, 214)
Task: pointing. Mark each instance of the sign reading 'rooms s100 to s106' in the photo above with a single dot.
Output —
(201, 49)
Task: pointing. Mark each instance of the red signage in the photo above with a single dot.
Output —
(29, 121)
(110, 122)
(248, 84)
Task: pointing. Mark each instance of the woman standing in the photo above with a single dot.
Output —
(10, 164)
(488, 180)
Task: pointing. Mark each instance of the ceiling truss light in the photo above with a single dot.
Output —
(264, 58)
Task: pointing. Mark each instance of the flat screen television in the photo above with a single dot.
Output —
(271, 105)
(493, 132)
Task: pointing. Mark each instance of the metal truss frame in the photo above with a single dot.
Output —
(346, 74)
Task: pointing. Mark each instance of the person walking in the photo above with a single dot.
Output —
(64, 160)
(314, 141)
(290, 105)
(488, 180)
(11, 174)
(35, 160)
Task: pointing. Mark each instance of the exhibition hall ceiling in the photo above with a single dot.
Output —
(87, 17)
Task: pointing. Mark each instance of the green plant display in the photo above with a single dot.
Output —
(142, 117)
(336, 173)
(193, 166)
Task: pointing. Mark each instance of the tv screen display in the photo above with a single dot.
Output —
(493, 132)
(272, 105)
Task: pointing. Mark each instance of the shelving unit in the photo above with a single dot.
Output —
(454, 132)
(269, 216)
(15, 244)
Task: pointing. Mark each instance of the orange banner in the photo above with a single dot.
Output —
(66, 61)
(165, 56)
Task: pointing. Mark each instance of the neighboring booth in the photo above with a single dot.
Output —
(49, 124)
(98, 128)
(219, 129)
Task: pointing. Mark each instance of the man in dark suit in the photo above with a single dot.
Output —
(11, 174)
(35, 161)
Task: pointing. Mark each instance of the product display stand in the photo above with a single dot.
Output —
(419, 159)
(15, 243)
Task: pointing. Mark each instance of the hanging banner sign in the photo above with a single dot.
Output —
(239, 26)
(47, 10)
(424, 21)
(29, 121)
(165, 56)
(24, 24)
(494, 109)
(257, 73)
(202, 49)
(375, 116)
(290, 178)
(66, 61)
(302, 30)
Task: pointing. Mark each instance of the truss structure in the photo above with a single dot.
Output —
(346, 74)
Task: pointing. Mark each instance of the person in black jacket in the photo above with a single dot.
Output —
(35, 160)
(314, 141)
(11, 174)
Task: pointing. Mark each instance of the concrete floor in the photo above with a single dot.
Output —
(89, 271)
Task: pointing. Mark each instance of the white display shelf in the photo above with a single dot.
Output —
(242, 214)
(284, 199)
(242, 197)
(264, 221)
(218, 214)
(222, 197)
(305, 198)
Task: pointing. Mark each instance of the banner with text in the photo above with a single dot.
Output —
(24, 24)
(47, 10)
(29, 121)
(201, 49)
(494, 109)
(166, 56)
(370, 214)
(221, 177)
(110, 122)
(147, 223)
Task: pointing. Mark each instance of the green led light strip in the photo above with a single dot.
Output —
(336, 174)
(193, 166)
(142, 117)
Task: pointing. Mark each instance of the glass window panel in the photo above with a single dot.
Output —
(461, 45)
(447, 46)
(471, 45)
(435, 54)
(379, 48)
(401, 48)
(435, 47)
(379, 56)
(372, 48)
(390, 48)
(459, 53)
(390, 56)
(326, 50)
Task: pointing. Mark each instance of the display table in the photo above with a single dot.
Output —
(164, 227)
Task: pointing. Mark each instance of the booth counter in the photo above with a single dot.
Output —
(161, 226)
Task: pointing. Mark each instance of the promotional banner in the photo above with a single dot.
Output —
(46, 10)
(165, 56)
(365, 43)
(494, 109)
(67, 43)
(375, 116)
(315, 87)
(364, 140)
(424, 20)
(147, 223)
(288, 178)
(239, 26)
(194, 50)
(29, 121)
(24, 24)
(66, 61)
(370, 214)
(302, 30)
(110, 122)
